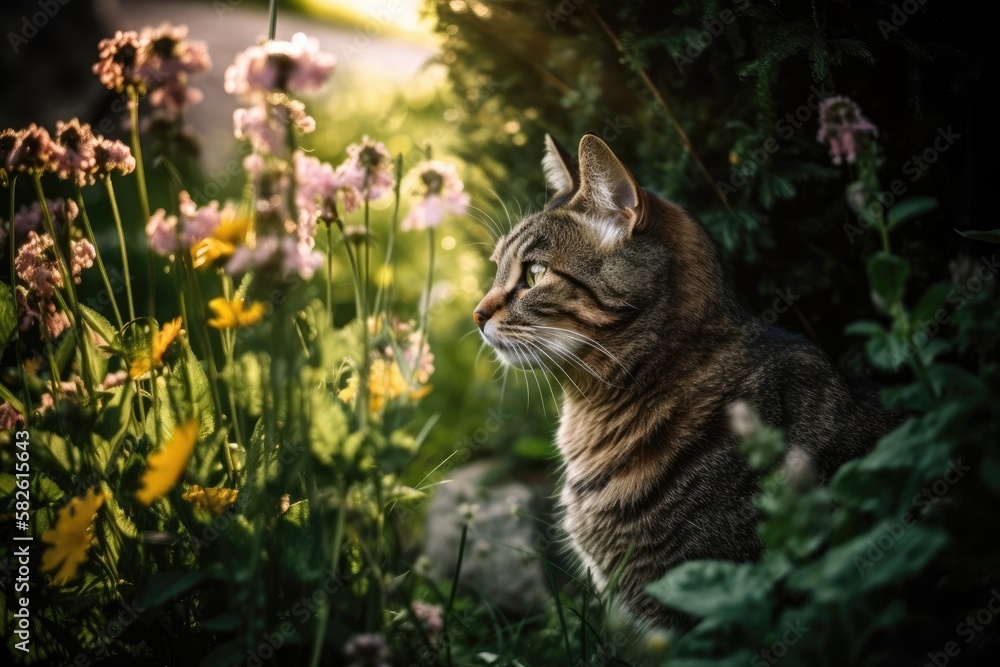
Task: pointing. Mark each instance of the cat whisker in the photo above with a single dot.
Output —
(541, 366)
(568, 376)
(489, 226)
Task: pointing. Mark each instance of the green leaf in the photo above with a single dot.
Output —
(719, 588)
(909, 208)
(170, 585)
(992, 236)
(8, 315)
(931, 302)
(98, 323)
(889, 553)
(864, 328)
(888, 274)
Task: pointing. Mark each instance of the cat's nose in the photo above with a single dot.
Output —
(481, 317)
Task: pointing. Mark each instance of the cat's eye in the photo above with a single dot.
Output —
(534, 274)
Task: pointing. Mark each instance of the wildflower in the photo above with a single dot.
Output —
(233, 314)
(318, 186)
(297, 66)
(287, 255)
(200, 223)
(439, 191)
(368, 168)
(840, 123)
(8, 139)
(225, 238)
(169, 59)
(430, 616)
(115, 379)
(76, 162)
(122, 61)
(419, 362)
(258, 127)
(38, 268)
(162, 232)
(213, 499)
(742, 420)
(468, 511)
(367, 650)
(159, 343)
(385, 383)
(9, 417)
(29, 219)
(112, 155)
(71, 537)
(33, 151)
(165, 466)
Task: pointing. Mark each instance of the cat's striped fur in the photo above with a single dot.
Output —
(631, 310)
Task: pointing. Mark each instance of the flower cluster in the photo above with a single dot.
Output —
(841, 124)
(210, 230)
(367, 650)
(38, 269)
(75, 153)
(297, 66)
(439, 192)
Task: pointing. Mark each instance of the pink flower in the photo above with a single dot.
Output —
(318, 186)
(367, 650)
(266, 125)
(439, 192)
(76, 161)
(38, 268)
(199, 223)
(162, 232)
(286, 255)
(29, 218)
(111, 155)
(369, 168)
(297, 66)
(112, 380)
(9, 417)
(122, 59)
(168, 55)
(840, 122)
(260, 128)
(33, 151)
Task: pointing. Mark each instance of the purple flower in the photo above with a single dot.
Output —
(285, 255)
(258, 127)
(430, 617)
(369, 168)
(29, 218)
(169, 55)
(297, 66)
(162, 232)
(367, 650)
(199, 223)
(38, 269)
(318, 186)
(840, 123)
(439, 192)
(9, 417)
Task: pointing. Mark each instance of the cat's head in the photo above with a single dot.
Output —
(606, 270)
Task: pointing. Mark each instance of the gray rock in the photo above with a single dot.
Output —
(500, 561)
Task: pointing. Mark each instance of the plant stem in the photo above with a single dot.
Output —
(100, 261)
(73, 309)
(390, 262)
(26, 411)
(324, 612)
(329, 270)
(454, 585)
(425, 308)
(124, 249)
(140, 179)
(272, 20)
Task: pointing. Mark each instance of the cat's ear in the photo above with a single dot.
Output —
(608, 188)
(561, 174)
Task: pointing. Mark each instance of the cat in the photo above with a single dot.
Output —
(622, 295)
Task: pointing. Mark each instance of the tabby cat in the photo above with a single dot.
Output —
(621, 295)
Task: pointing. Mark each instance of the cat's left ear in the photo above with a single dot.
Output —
(608, 189)
(561, 175)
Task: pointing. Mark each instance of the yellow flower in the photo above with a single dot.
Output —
(70, 539)
(165, 466)
(214, 499)
(231, 232)
(231, 314)
(385, 383)
(161, 341)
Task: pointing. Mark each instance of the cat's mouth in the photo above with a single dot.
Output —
(512, 353)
